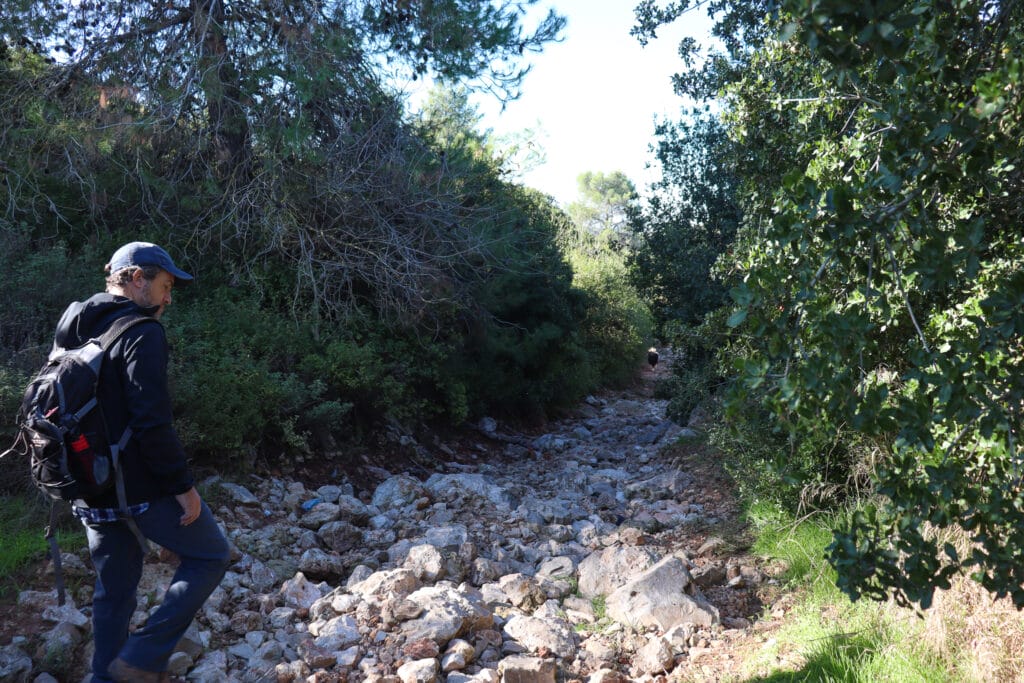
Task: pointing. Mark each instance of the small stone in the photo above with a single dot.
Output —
(524, 669)
(418, 671)
(291, 671)
(243, 621)
(179, 663)
(608, 676)
(65, 614)
(350, 657)
(315, 656)
(712, 545)
(654, 657)
(422, 648)
(453, 661)
(239, 494)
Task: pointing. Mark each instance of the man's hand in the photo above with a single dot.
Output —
(191, 503)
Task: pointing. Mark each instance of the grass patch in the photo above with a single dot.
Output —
(800, 544)
(600, 607)
(23, 521)
(825, 637)
(601, 619)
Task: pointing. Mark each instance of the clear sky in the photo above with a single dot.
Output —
(596, 95)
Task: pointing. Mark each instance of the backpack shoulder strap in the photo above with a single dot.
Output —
(120, 326)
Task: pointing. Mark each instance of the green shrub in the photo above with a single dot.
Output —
(334, 294)
(23, 520)
(616, 324)
(523, 350)
(387, 376)
(238, 381)
(697, 372)
(800, 544)
(818, 465)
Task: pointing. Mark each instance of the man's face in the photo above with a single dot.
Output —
(155, 292)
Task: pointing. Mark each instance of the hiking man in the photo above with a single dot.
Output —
(163, 504)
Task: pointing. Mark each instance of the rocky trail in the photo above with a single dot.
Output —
(605, 549)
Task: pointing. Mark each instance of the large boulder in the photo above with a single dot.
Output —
(397, 492)
(602, 572)
(533, 633)
(661, 597)
(447, 613)
(454, 486)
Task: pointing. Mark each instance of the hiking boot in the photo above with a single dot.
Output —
(123, 672)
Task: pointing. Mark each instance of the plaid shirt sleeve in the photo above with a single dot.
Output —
(100, 515)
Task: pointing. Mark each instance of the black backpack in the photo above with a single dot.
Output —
(62, 433)
(60, 424)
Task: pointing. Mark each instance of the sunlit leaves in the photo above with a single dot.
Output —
(877, 268)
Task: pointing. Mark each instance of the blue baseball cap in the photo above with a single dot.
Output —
(145, 254)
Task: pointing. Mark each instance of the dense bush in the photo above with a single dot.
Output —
(876, 275)
(522, 351)
(385, 274)
(617, 323)
(687, 221)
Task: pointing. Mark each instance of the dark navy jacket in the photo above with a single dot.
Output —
(132, 391)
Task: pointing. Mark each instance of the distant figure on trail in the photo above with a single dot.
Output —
(652, 357)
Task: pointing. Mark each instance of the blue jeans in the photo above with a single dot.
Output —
(117, 557)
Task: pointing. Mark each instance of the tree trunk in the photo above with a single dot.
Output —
(228, 125)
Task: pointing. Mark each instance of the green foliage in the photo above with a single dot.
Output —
(616, 324)
(235, 378)
(21, 533)
(533, 338)
(355, 268)
(58, 662)
(403, 379)
(903, 256)
(23, 264)
(37, 278)
(272, 140)
(600, 607)
(862, 642)
(687, 222)
(696, 377)
(23, 520)
(524, 354)
(604, 202)
(246, 384)
(876, 272)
